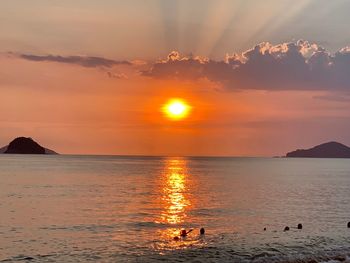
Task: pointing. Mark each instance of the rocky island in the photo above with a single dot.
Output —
(325, 150)
(23, 145)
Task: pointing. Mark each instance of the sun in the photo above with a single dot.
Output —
(176, 109)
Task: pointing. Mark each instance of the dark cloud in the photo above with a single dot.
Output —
(288, 66)
(84, 61)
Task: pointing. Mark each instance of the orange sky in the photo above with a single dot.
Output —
(79, 110)
(97, 108)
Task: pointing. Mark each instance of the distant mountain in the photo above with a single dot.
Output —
(3, 149)
(325, 150)
(23, 145)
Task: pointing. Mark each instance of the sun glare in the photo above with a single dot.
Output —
(176, 109)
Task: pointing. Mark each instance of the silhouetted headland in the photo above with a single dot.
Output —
(23, 145)
(325, 150)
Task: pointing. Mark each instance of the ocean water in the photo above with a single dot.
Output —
(129, 209)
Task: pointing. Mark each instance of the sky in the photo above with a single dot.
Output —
(92, 76)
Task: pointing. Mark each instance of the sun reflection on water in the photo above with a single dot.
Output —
(175, 189)
(176, 201)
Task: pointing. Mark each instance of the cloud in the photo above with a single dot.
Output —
(288, 66)
(84, 61)
(116, 75)
(334, 97)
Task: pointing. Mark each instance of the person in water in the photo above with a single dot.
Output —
(202, 231)
(183, 233)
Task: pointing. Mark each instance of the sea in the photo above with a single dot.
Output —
(70, 208)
